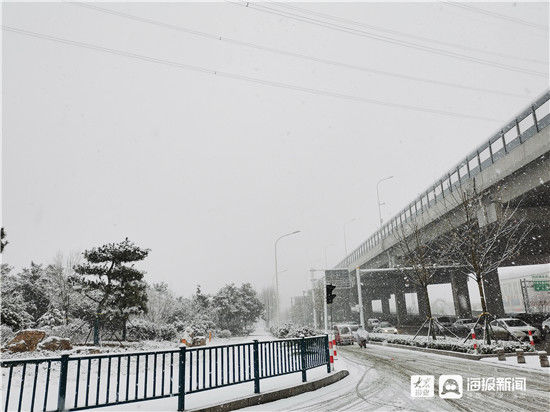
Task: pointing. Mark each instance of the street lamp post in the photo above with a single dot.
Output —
(277, 274)
(378, 196)
(313, 299)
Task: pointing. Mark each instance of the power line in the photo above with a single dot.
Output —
(403, 34)
(234, 76)
(386, 39)
(290, 53)
(496, 15)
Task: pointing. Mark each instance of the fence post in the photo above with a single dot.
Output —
(256, 368)
(303, 352)
(61, 394)
(327, 353)
(181, 379)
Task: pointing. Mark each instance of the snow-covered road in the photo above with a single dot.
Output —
(380, 380)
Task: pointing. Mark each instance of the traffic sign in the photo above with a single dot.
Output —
(338, 277)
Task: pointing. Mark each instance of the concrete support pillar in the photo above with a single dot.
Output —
(400, 307)
(367, 304)
(400, 303)
(493, 295)
(367, 307)
(385, 304)
(422, 298)
(461, 297)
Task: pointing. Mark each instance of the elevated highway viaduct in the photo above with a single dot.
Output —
(510, 171)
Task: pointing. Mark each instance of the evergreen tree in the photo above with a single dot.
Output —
(237, 309)
(3, 242)
(112, 284)
(36, 290)
(14, 308)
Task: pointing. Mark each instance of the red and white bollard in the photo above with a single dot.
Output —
(474, 340)
(531, 341)
(334, 349)
(331, 352)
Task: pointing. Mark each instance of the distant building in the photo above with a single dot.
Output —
(526, 292)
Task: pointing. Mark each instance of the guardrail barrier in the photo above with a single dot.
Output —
(91, 381)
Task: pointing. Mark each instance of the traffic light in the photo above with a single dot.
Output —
(330, 295)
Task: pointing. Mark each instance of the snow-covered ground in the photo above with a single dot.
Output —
(531, 362)
(130, 347)
(117, 378)
(380, 379)
(226, 394)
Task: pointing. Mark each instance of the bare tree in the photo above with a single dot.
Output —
(269, 300)
(540, 302)
(482, 236)
(61, 270)
(422, 259)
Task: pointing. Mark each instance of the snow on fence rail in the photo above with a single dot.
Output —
(83, 382)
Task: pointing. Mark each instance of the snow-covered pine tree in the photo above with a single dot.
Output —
(108, 280)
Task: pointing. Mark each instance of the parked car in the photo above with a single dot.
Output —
(518, 328)
(343, 335)
(385, 327)
(546, 326)
(466, 324)
(446, 321)
(372, 322)
(534, 319)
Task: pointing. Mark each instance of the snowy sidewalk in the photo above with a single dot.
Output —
(222, 395)
(531, 363)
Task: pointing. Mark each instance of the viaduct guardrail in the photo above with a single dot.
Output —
(91, 381)
(516, 132)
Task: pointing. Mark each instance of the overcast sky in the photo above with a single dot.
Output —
(207, 170)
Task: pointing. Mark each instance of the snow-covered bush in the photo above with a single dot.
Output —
(224, 334)
(289, 330)
(53, 317)
(166, 332)
(6, 334)
(179, 325)
(199, 327)
(451, 344)
(142, 329)
(76, 330)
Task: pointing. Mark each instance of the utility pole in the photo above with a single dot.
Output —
(325, 300)
(278, 297)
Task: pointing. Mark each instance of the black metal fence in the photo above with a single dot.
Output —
(90, 381)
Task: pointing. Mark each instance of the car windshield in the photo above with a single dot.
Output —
(354, 328)
(386, 325)
(344, 329)
(515, 322)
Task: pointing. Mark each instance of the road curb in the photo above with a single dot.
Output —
(443, 352)
(273, 395)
